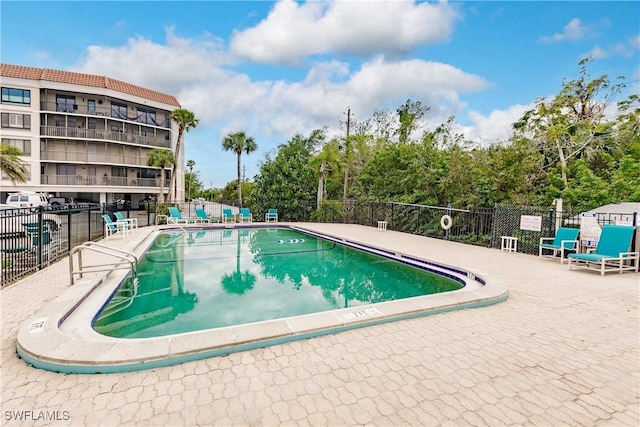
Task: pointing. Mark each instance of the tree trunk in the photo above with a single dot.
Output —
(320, 191)
(563, 163)
(173, 182)
(239, 183)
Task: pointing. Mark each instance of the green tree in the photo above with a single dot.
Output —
(287, 182)
(239, 142)
(11, 165)
(160, 158)
(186, 121)
(570, 124)
(189, 178)
(409, 115)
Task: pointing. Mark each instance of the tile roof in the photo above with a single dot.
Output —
(31, 73)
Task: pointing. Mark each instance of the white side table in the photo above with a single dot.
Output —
(509, 244)
(382, 225)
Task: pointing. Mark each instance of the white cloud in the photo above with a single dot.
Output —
(293, 31)
(573, 31)
(496, 127)
(199, 72)
(597, 53)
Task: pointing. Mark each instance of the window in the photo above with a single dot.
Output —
(23, 145)
(147, 173)
(118, 171)
(16, 96)
(119, 111)
(91, 106)
(91, 124)
(21, 121)
(65, 169)
(66, 103)
(147, 116)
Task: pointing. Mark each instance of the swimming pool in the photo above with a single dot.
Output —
(197, 280)
(60, 337)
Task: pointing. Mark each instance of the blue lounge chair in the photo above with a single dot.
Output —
(612, 252)
(176, 217)
(203, 217)
(245, 215)
(566, 240)
(112, 227)
(132, 222)
(271, 215)
(227, 215)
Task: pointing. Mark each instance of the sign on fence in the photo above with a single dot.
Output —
(589, 229)
(530, 222)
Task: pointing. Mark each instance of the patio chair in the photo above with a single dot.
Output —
(612, 252)
(132, 222)
(271, 215)
(176, 217)
(566, 240)
(111, 227)
(227, 215)
(203, 217)
(50, 244)
(245, 215)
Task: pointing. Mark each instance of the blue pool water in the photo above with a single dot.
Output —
(196, 280)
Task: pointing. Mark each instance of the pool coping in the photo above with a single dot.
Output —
(59, 336)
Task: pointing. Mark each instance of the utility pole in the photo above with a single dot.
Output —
(346, 156)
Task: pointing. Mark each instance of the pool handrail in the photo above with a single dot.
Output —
(128, 260)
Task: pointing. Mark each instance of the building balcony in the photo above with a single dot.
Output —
(93, 158)
(102, 134)
(103, 111)
(102, 181)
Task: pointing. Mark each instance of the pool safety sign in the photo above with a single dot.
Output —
(530, 222)
(589, 229)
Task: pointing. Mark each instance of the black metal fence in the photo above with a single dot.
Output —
(483, 227)
(30, 239)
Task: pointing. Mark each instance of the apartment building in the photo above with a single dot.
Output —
(86, 136)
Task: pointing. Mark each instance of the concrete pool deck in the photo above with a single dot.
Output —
(562, 350)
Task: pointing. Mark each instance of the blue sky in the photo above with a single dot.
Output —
(274, 69)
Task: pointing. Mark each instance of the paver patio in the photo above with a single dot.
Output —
(564, 349)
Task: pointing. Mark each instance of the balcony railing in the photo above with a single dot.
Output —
(85, 157)
(103, 181)
(101, 134)
(103, 111)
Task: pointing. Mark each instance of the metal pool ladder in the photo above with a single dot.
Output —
(127, 260)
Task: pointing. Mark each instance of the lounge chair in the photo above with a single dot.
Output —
(132, 222)
(176, 217)
(566, 240)
(612, 252)
(245, 215)
(227, 215)
(50, 244)
(271, 215)
(112, 227)
(203, 217)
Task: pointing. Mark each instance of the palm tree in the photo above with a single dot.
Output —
(239, 142)
(161, 158)
(190, 165)
(327, 163)
(11, 165)
(186, 121)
